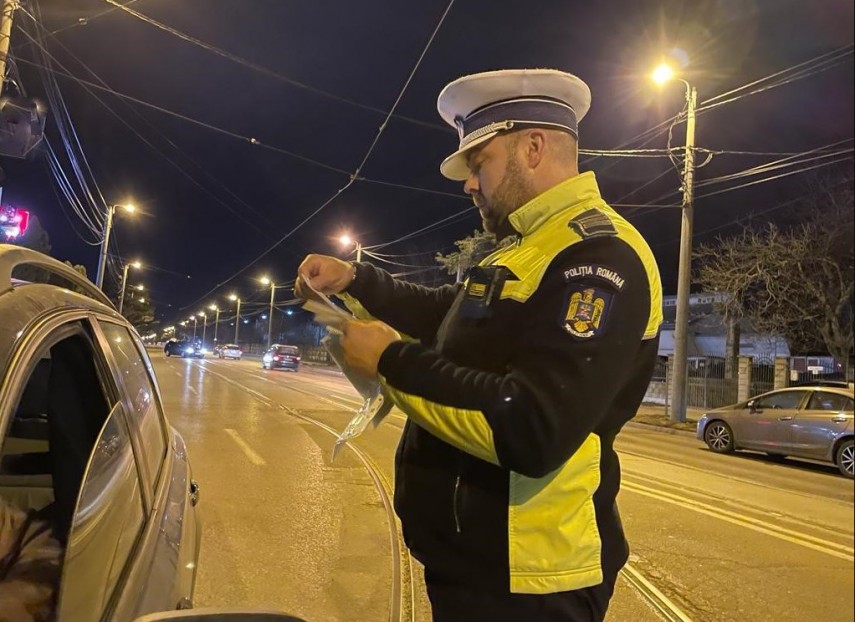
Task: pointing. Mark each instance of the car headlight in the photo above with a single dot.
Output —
(188, 350)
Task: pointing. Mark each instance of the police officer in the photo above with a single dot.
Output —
(506, 475)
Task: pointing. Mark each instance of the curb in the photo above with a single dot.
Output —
(659, 428)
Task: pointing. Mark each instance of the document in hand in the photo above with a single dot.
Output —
(375, 405)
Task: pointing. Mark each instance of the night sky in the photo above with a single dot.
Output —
(312, 83)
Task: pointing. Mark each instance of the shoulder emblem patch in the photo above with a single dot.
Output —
(586, 311)
(592, 223)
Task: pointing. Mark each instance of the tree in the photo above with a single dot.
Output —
(35, 238)
(794, 281)
(471, 249)
(140, 313)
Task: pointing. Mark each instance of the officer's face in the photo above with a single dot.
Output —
(497, 184)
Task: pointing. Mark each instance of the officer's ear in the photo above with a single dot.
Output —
(533, 145)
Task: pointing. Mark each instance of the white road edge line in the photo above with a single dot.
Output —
(253, 457)
(817, 544)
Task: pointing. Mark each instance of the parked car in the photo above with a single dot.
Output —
(230, 351)
(184, 349)
(804, 422)
(280, 356)
(86, 446)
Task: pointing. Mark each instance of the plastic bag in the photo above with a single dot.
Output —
(375, 405)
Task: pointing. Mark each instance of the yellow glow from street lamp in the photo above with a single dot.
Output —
(663, 73)
(264, 280)
(213, 307)
(346, 240)
(142, 300)
(136, 264)
(140, 287)
(129, 207)
(233, 297)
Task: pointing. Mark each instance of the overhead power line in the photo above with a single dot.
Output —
(355, 176)
(261, 69)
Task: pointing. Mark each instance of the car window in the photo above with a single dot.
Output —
(823, 400)
(288, 350)
(63, 402)
(785, 399)
(142, 399)
(108, 521)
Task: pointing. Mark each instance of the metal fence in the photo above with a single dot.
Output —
(711, 381)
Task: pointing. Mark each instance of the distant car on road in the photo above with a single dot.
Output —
(183, 349)
(230, 351)
(812, 422)
(280, 356)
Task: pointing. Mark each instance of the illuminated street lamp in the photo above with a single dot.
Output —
(193, 317)
(236, 298)
(347, 242)
(663, 74)
(216, 311)
(105, 240)
(133, 264)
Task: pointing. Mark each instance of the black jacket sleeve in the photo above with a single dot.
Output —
(412, 309)
(557, 388)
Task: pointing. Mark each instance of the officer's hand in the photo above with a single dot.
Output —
(364, 342)
(328, 275)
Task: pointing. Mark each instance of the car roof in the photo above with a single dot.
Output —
(23, 301)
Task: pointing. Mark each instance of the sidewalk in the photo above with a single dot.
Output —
(653, 416)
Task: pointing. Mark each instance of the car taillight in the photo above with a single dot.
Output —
(297, 358)
(275, 358)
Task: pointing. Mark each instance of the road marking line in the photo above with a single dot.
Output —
(840, 551)
(253, 457)
(193, 391)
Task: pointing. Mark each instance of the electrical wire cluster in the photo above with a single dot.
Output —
(75, 182)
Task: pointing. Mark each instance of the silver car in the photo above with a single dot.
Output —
(230, 351)
(812, 422)
(87, 451)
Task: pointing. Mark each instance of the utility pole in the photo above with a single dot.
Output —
(105, 243)
(237, 322)
(9, 7)
(124, 285)
(216, 324)
(270, 315)
(358, 252)
(684, 277)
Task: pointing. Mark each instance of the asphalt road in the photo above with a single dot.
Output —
(285, 527)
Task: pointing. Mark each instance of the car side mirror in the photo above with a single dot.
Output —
(218, 614)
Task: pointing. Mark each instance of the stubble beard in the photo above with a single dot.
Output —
(513, 192)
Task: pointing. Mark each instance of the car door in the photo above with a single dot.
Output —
(767, 425)
(818, 425)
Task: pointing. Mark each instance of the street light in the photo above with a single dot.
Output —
(234, 297)
(216, 310)
(347, 241)
(193, 317)
(133, 264)
(204, 326)
(662, 74)
(105, 240)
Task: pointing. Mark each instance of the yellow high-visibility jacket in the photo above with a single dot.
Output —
(506, 475)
